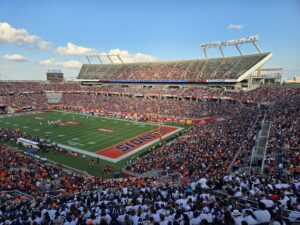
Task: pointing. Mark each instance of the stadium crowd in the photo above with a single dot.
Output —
(285, 132)
(205, 150)
(192, 70)
(238, 130)
(17, 93)
(141, 105)
(62, 197)
(205, 194)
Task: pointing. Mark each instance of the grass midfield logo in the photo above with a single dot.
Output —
(68, 123)
(103, 130)
(39, 118)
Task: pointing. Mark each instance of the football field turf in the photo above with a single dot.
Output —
(95, 136)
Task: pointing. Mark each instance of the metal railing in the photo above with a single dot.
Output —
(241, 147)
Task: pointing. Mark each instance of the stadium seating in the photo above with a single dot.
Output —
(196, 70)
(34, 191)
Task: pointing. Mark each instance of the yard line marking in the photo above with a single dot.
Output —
(72, 143)
(119, 138)
(93, 126)
(76, 133)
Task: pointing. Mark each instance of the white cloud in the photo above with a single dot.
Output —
(48, 62)
(130, 58)
(20, 36)
(235, 26)
(13, 35)
(72, 49)
(43, 45)
(15, 58)
(71, 64)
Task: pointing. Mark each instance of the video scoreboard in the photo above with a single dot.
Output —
(55, 76)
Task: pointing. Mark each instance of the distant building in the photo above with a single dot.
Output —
(294, 80)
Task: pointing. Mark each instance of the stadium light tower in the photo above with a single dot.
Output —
(102, 56)
(235, 42)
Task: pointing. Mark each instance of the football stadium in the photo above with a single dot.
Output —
(191, 141)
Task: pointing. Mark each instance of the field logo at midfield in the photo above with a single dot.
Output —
(68, 123)
(39, 118)
(103, 130)
(123, 148)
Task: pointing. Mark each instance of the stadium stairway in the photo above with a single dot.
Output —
(255, 163)
(259, 151)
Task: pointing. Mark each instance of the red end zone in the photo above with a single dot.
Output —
(123, 148)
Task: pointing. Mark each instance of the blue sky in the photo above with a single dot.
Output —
(34, 34)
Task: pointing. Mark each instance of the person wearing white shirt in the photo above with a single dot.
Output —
(125, 190)
(294, 216)
(163, 220)
(236, 216)
(249, 218)
(262, 215)
(121, 219)
(195, 220)
(52, 213)
(284, 200)
(268, 203)
(135, 219)
(206, 215)
(70, 221)
(238, 193)
(193, 185)
(203, 182)
(156, 217)
(107, 218)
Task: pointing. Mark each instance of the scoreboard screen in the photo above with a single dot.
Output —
(55, 76)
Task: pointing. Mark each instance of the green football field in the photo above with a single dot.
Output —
(85, 135)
